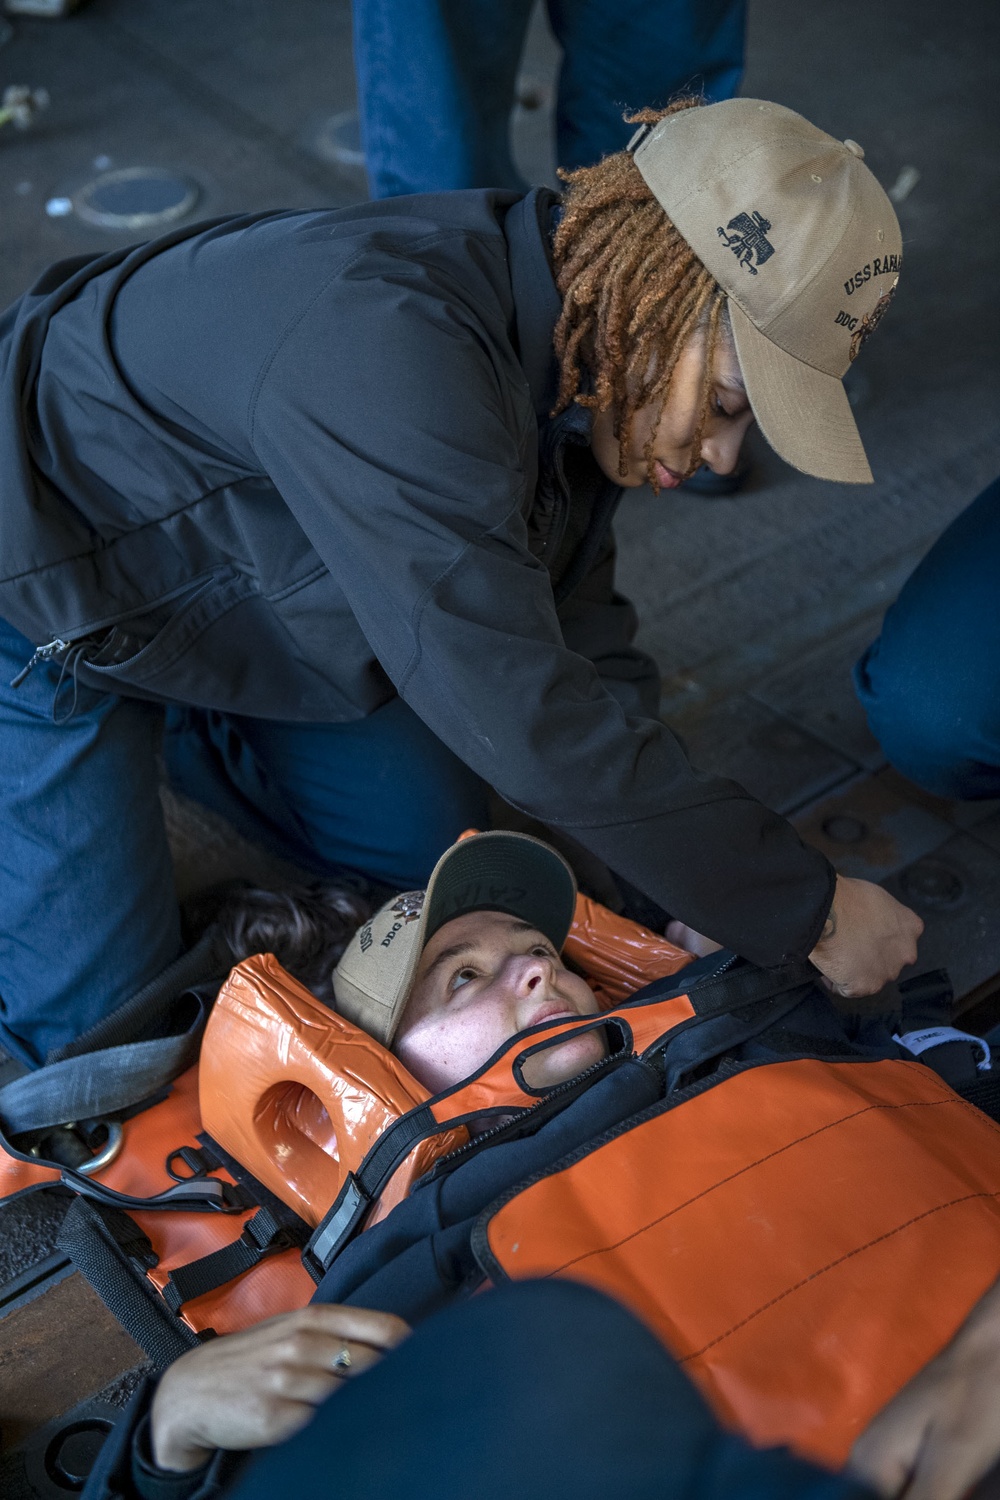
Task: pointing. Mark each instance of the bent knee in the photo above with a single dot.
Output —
(940, 733)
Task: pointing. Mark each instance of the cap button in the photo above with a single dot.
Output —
(855, 149)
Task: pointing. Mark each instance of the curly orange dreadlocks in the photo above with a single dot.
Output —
(633, 293)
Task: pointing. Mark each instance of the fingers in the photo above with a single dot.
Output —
(358, 1325)
(257, 1387)
(685, 937)
(869, 938)
(310, 1363)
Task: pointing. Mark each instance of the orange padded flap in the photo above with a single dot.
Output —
(803, 1236)
(292, 1090)
(618, 954)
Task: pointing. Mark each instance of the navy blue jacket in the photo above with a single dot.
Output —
(288, 465)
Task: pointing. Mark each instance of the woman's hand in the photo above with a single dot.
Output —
(685, 937)
(942, 1432)
(869, 936)
(252, 1389)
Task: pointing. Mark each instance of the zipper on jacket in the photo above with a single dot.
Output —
(616, 1058)
(728, 963)
(96, 629)
(54, 648)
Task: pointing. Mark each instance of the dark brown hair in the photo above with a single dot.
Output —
(633, 292)
(306, 927)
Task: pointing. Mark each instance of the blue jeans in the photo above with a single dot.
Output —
(436, 80)
(89, 913)
(930, 684)
(539, 1390)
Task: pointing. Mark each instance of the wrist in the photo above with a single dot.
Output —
(174, 1447)
(822, 927)
(174, 1455)
(830, 921)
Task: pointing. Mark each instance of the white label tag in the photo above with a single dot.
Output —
(936, 1036)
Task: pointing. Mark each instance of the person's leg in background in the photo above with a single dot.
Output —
(930, 684)
(435, 88)
(381, 797)
(540, 1390)
(436, 80)
(636, 53)
(87, 898)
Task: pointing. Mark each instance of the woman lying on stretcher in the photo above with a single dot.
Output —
(445, 978)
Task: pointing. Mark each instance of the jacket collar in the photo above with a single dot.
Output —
(536, 300)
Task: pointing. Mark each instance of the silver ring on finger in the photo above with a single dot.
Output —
(343, 1362)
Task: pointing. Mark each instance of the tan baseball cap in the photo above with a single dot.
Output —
(509, 872)
(807, 248)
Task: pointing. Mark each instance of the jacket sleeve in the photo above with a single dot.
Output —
(600, 624)
(125, 1469)
(403, 449)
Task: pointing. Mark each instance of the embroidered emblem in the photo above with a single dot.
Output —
(871, 320)
(409, 906)
(748, 239)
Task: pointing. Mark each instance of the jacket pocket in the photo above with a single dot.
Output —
(137, 651)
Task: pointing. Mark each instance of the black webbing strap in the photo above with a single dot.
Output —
(985, 1094)
(210, 958)
(130, 1239)
(737, 987)
(262, 1236)
(361, 1188)
(199, 1195)
(114, 1256)
(334, 1230)
(392, 1146)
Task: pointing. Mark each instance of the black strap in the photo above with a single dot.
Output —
(361, 1188)
(984, 1093)
(210, 958)
(129, 1238)
(114, 1260)
(199, 1195)
(262, 1236)
(718, 994)
(392, 1146)
(336, 1227)
(747, 985)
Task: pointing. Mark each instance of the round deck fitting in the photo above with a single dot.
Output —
(930, 882)
(844, 828)
(339, 140)
(135, 198)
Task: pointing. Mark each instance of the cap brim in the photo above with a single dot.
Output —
(803, 412)
(508, 872)
(502, 871)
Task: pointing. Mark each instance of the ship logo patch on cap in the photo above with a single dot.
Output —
(748, 239)
(871, 320)
(410, 905)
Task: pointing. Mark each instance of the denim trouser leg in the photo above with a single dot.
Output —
(380, 796)
(86, 884)
(436, 79)
(88, 912)
(540, 1391)
(930, 684)
(435, 88)
(631, 54)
